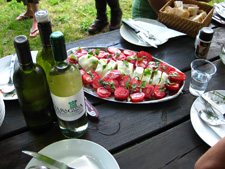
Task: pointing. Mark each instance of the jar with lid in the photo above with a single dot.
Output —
(203, 42)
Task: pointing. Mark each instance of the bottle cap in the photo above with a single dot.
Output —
(42, 15)
(206, 34)
(22, 47)
(57, 41)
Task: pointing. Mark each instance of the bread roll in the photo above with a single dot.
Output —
(199, 18)
(178, 4)
(193, 10)
(177, 12)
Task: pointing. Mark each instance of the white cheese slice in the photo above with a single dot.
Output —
(138, 72)
(110, 66)
(126, 68)
(147, 74)
(121, 67)
(90, 64)
(163, 78)
(156, 77)
(102, 63)
(82, 60)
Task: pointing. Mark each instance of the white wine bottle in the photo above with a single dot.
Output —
(66, 89)
(45, 56)
(32, 88)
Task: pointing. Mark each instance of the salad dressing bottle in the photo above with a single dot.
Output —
(66, 88)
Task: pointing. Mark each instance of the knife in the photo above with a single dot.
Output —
(91, 110)
(139, 33)
(212, 103)
(48, 160)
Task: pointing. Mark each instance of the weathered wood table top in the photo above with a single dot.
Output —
(143, 136)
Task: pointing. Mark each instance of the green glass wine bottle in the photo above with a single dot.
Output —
(31, 88)
(66, 87)
(45, 56)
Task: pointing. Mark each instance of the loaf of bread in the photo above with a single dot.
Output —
(199, 18)
(177, 11)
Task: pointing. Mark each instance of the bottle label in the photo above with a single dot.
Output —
(69, 108)
(202, 49)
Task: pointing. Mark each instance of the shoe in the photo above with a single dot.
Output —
(97, 26)
(116, 16)
(23, 17)
(34, 33)
(112, 28)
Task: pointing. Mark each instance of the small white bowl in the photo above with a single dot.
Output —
(2, 109)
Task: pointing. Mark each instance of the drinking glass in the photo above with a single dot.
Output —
(201, 72)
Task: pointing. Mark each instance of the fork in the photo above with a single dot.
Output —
(218, 19)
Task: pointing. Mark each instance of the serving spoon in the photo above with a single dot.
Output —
(210, 117)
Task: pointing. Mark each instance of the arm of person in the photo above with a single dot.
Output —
(213, 158)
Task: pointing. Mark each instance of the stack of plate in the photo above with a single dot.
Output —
(2, 109)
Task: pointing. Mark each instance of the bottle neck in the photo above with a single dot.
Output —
(62, 64)
(45, 30)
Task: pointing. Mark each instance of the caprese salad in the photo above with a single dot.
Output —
(126, 74)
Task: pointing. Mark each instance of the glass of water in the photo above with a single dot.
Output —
(201, 72)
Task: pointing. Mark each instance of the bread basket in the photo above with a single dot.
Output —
(184, 25)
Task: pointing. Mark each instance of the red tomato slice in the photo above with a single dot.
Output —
(114, 74)
(113, 50)
(102, 55)
(162, 66)
(82, 72)
(87, 78)
(172, 85)
(120, 56)
(134, 85)
(112, 84)
(103, 92)
(177, 76)
(145, 55)
(168, 69)
(72, 59)
(93, 74)
(124, 80)
(159, 91)
(97, 82)
(142, 63)
(148, 91)
(80, 53)
(129, 53)
(137, 97)
(132, 59)
(121, 93)
(151, 65)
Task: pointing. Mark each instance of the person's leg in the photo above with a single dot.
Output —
(28, 14)
(101, 21)
(116, 14)
(34, 30)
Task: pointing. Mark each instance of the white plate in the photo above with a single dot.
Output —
(2, 109)
(4, 74)
(220, 11)
(206, 133)
(132, 38)
(70, 150)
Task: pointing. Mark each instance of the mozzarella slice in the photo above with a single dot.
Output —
(156, 77)
(121, 67)
(147, 74)
(82, 60)
(125, 67)
(110, 66)
(90, 64)
(102, 64)
(138, 72)
(163, 78)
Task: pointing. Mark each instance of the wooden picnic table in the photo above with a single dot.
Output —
(143, 136)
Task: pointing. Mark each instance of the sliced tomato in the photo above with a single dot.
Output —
(144, 55)
(124, 81)
(97, 82)
(172, 85)
(119, 56)
(152, 65)
(93, 74)
(148, 91)
(112, 84)
(129, 53)
(142, 63)
(137, 97)
(102, 55)
(82, 72)
(113, 50)
(168, 69)
(121, 93)
(159, 91)
(80, 53)
(134, 85)
(132, 59)
(72, 59)
(103, 92)
(114, 74)
(177, 76)
(162, 66)
(87, 78)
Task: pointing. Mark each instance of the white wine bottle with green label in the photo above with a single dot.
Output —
(66, 89)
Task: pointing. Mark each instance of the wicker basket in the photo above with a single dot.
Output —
(184, 25)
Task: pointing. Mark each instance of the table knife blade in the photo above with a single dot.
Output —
(47, 160)
(213, 104)
(139, 33)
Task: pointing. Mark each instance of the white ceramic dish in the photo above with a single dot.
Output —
(4, 74)
(205, 132)
(220, 11)
(69, 150)
(132, 38)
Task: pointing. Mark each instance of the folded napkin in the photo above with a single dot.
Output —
(82, 163)
(160, 32)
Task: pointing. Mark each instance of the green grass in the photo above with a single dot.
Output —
(72, 17)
